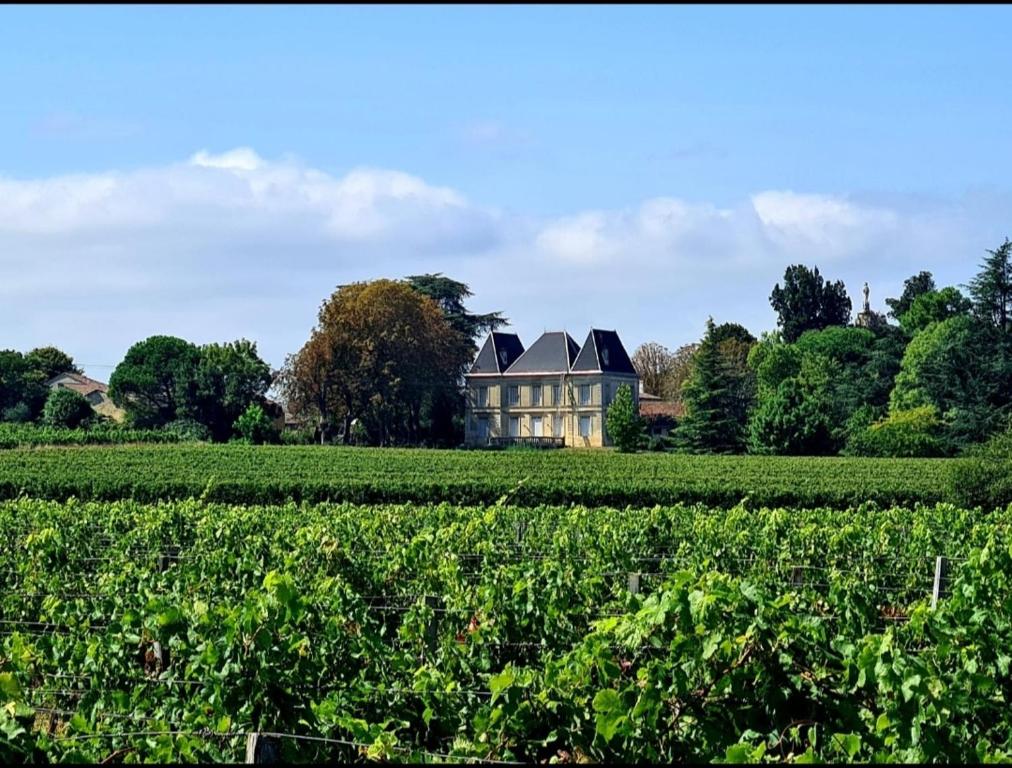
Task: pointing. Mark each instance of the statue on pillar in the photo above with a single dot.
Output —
(868, 319)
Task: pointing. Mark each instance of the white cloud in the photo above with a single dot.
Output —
(233, 244)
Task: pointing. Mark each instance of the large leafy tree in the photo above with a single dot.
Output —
(795, 417)
(991, 288)
(710, 394)
(933, 307)
(807, 301)
(442, 410)
(155, 382)
(22, 387)
(450, 295)
(914, 286)
(653, 362)
(961, 367)
(50, 362)
(379, 350)
(227, 380)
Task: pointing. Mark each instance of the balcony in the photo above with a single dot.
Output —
(528, 442)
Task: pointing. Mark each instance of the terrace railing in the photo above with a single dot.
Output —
(528, 441)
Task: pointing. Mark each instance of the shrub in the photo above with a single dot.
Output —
(187, 431)
(911, 433)
(255, 427)
(21, 413)
(66, 408)
(625, 427)
(984, 477)
(303, 436)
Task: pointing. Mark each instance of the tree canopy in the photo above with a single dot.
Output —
(808, 302)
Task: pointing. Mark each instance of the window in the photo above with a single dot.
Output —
(535, 394)
(536, 429)
(482, 427)
(514, 394)
(607, 394)
(556, 392)
(557, 426)
(585, 394)
(586, 425)
(514, 426)
(482, 397)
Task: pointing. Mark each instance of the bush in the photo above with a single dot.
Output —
(910, 434)
(625, 427)
(17, 414)
(187, 431)
(255, 427)
(658, 443)
(66, 408)
(303, 436)
(984, 477)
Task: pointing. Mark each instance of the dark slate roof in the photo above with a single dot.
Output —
(554, 352)
(603, 351)
(498, 353)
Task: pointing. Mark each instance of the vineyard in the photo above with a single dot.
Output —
(500, 633)
(238, 474)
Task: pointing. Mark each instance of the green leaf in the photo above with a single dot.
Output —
(9, 686)
(606, 701)
(882, 723)
(607, 724)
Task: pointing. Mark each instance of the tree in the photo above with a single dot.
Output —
(66, 408)
(255, 427)
(155, 379)
(50, 362)
(681, 367)
(308, 382)
(22, 388)
(913, 287)
(449, 295)
(442, 410)
(653, 362)
(808, 302)
(228, 379)
(379, 350)
(625, 427)
(991, 289)
(796, 418)
(961, 367)
(709, 424)
(933, 307)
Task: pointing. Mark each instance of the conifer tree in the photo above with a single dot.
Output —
(709, 425)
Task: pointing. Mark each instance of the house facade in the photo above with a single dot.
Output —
(553, 389)
(95, 392)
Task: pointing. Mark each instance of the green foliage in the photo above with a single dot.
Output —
(962, 369)
(913, 287)
(934, 307)
(796, 419)
(254, 426)
(808, 302)
(762, 634)
(186, 431)
(266, 474)
(22, 388)
(97, 433)
(715, 398)
(910, 433)
(625, 427)
(50, 362)
(66, 408)
(155, 380)
(991, 288)
(227, 380)
(984, 478)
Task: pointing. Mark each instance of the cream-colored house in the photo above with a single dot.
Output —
(555, 392)
(95, 392)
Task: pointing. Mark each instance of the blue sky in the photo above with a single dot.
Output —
(216, 171)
